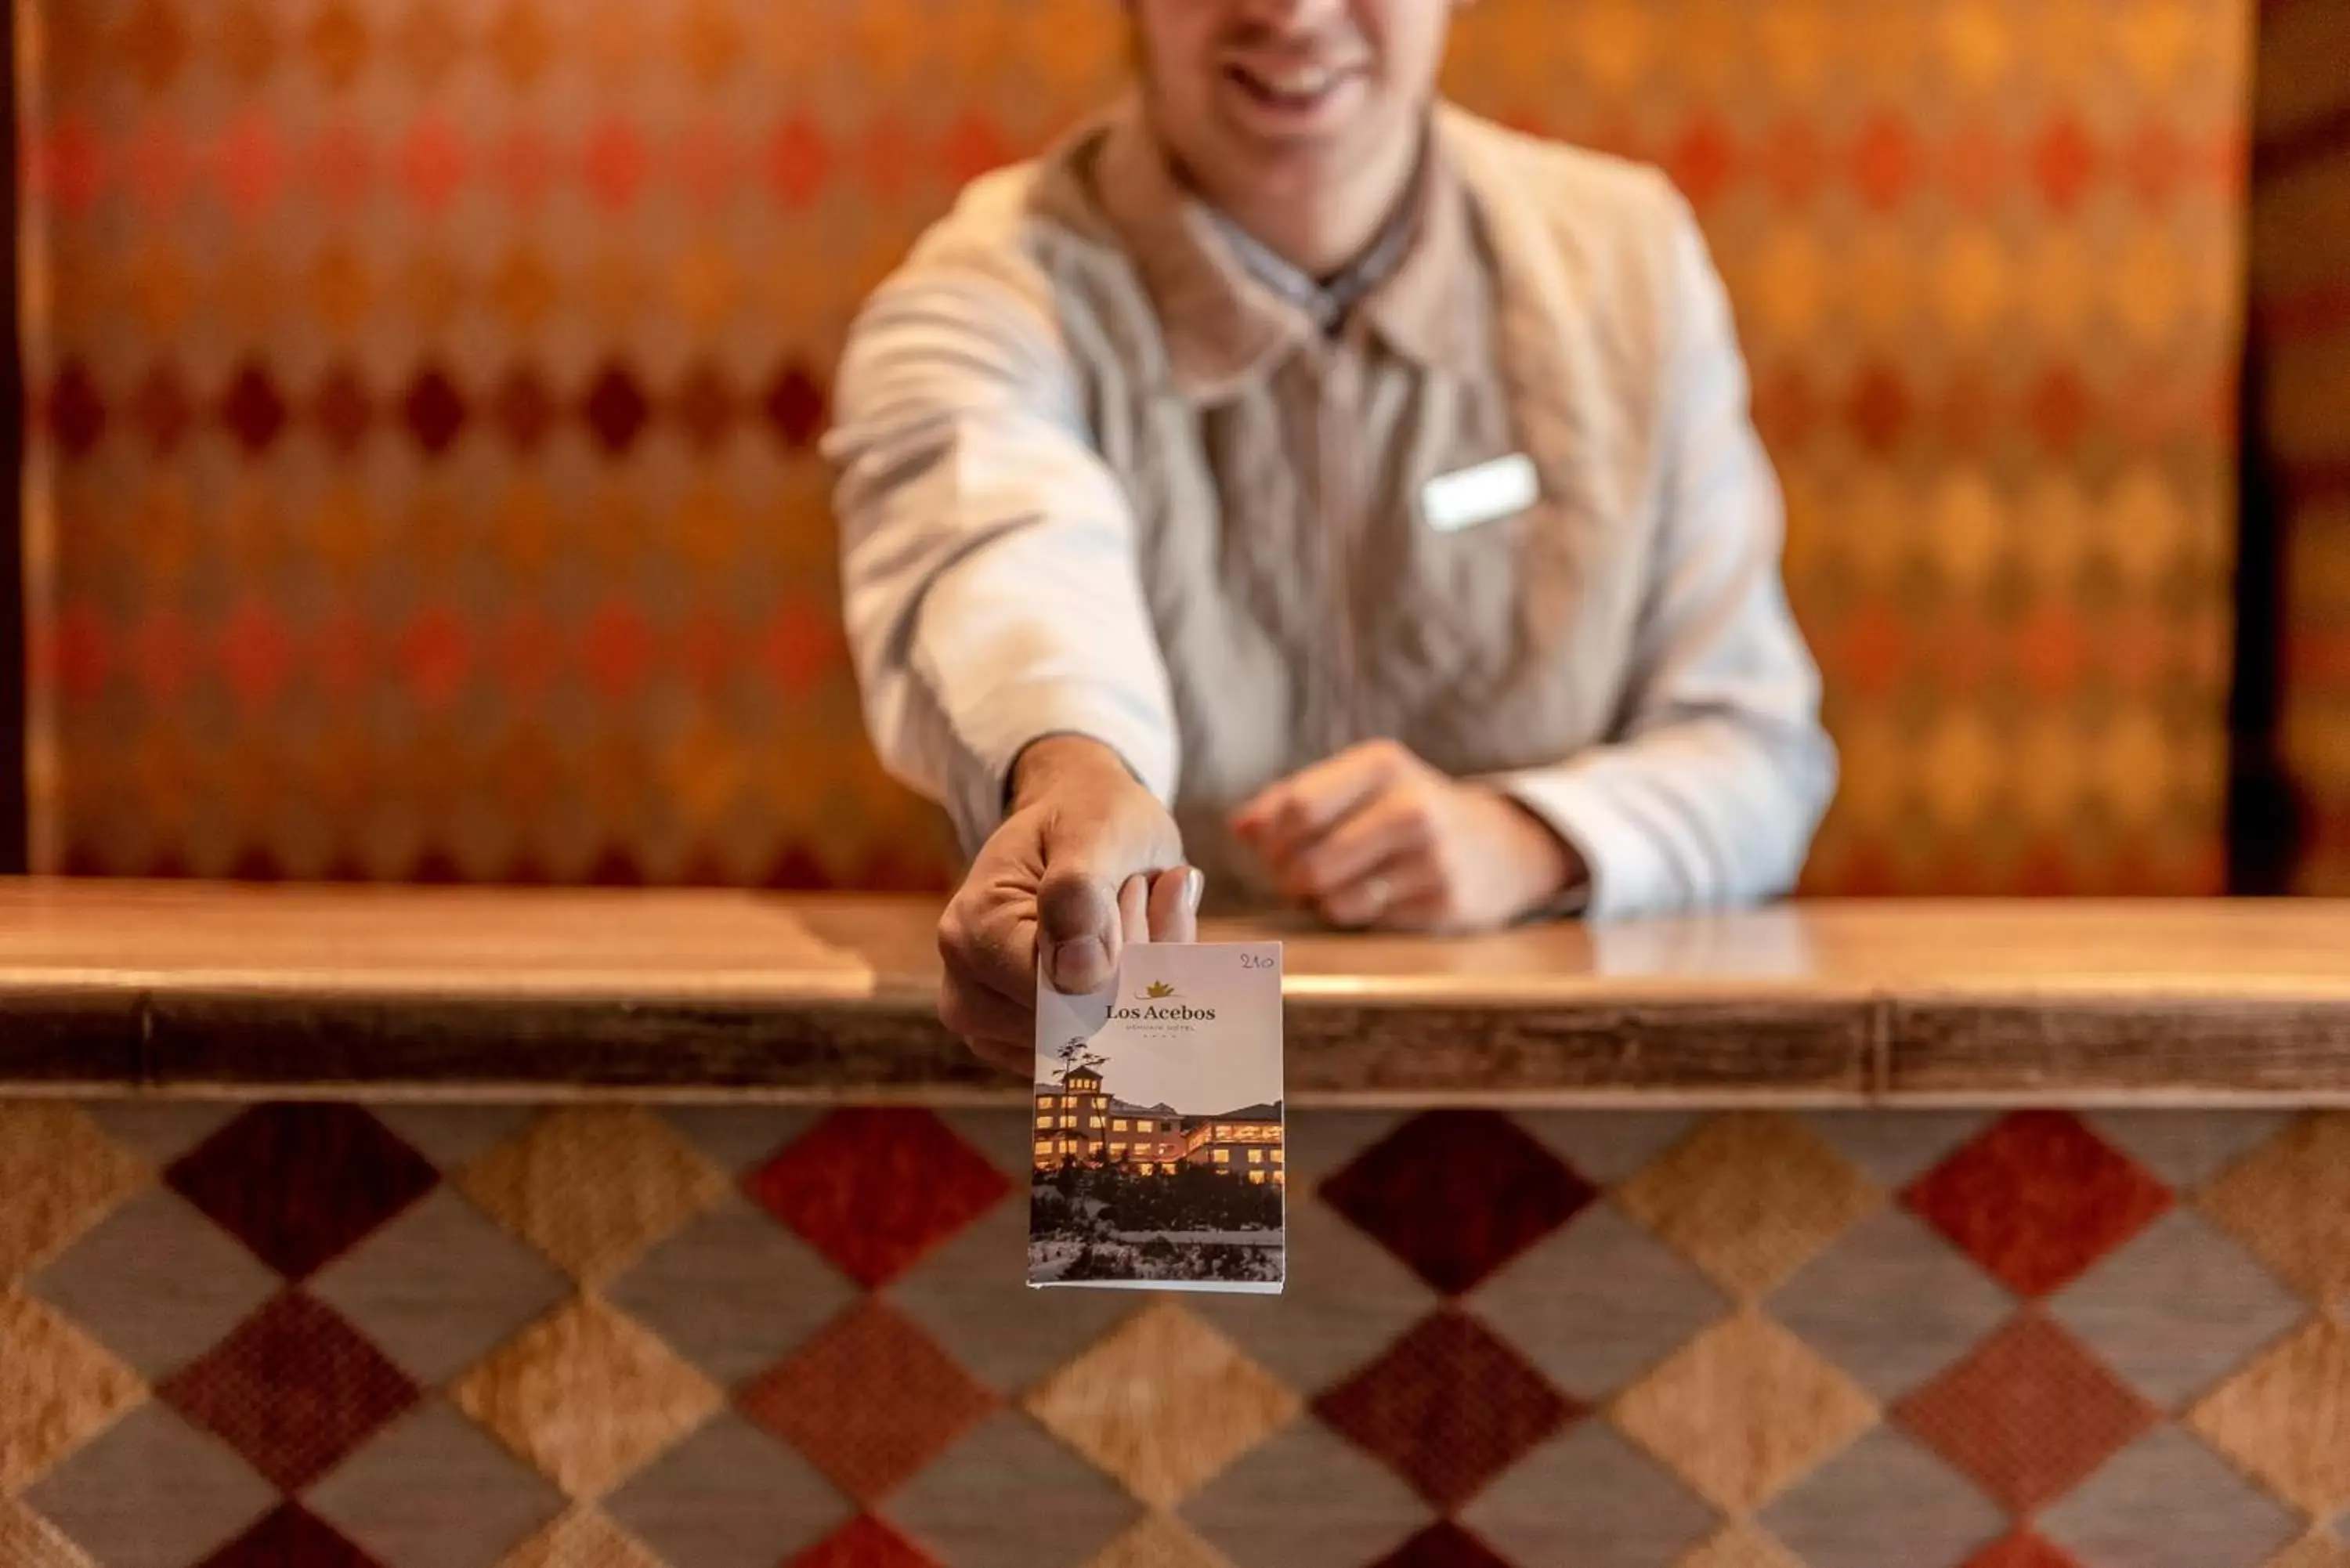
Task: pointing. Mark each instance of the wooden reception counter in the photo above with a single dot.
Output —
(188, 985)
(487, 1230)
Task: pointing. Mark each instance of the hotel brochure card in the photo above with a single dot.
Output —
(1158, 1132)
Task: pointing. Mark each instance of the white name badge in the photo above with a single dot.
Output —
(1452, 501)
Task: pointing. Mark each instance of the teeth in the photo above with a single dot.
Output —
(1305, 83)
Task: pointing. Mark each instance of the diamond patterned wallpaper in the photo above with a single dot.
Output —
(423, 482)
(435, 1337)
(2301, 289)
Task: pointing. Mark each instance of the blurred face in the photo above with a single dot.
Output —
(1271, 99)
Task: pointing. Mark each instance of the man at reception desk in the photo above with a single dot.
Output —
(1293, 478)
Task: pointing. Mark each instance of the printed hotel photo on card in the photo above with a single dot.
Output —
(1160, 1147)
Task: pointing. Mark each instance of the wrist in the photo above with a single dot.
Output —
(1556, 876)
(1056, 762)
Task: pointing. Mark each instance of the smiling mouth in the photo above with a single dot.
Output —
(1299, 88)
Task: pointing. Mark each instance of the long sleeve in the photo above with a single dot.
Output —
(988, 564)
(1712, 786)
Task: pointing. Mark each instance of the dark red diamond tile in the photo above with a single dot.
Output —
(795, 407)
(876, 1187)
(1448, 1407)
(77, 414)
(342, 409)
(253, 410)
(870, 1399)
(1880, 408)
(1443, 1544)
(615, 410)
(706, 405)
(1457, 1194)
(2024, 1551)
(162, 409)
(2027, 1416)
(300, 1183)
(863, 1542)
(2035, 1199)
(433, 410)
(290, 1536)
(295, 1389)
(522, 409)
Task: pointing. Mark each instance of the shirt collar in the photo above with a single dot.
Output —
(1225, 313)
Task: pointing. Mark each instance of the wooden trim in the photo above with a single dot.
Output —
(236, 992)
(2221, 1046)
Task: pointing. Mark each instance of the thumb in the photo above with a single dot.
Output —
(1078, 926)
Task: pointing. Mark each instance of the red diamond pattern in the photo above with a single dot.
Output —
(2024, 1551)
(1443, 1544)
(434, 411)
(2028, 1416)
(863, 1542)
(300, 1183)
(795, 407)
(295, 1389)
(252, 408)
(874, 1189)
(290, 1536)
(2036, 1197)
(1448, 1407)
(615, 410)
(1457, 1194)
(823, 1400)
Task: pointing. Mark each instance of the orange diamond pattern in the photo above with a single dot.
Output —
(1977, 247)
(2027, 1416)
(821, 1401)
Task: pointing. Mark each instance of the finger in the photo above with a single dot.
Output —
(991, 948)
(1391, 825)
(1175, 904)
(1011, 1055)
(974, 1012)
(1134, 908)
(1392, 883)
(1303, 807)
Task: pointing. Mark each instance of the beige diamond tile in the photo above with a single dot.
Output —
(581, 1539)
(2285, 1419)
(28, 1540)
(2289, 1202)
(60, 1175)
(593, 1187)
(1743, 1410)
(1740, 1546)
(1162, 1403)
(587, 1395)
(1158, 1540)
(58, 1388)
(1749, 1197)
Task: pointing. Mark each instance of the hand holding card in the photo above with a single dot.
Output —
(1160, 1147)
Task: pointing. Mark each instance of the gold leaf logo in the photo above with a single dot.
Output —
(1157, 988)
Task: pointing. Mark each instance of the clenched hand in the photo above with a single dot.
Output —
(1087, 861)
(1376, 837)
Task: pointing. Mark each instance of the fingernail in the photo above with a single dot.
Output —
(1195, 887)
(1062, 963)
